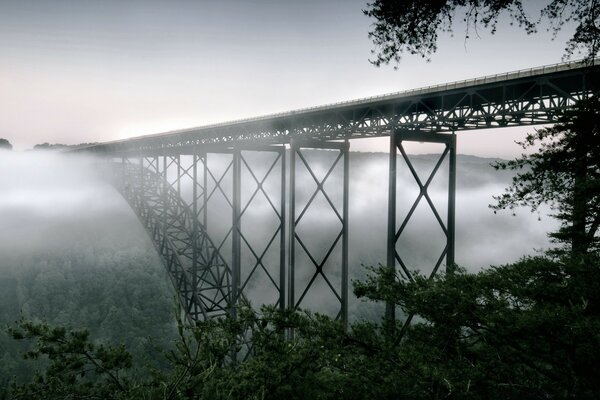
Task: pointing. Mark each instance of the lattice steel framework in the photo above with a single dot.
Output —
(527, 97)
(324, 266)
(198, 272)
(207, 284)
(447, 226)
(257, 261)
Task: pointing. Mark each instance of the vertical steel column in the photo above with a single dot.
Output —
(236, 229)
(179, 174)
(394, 233)
(341, 294)
(236, 240)
(141, 174)
(391, 229)
(205, 190)
(345, 235)
(282, 247)
(450, 261)
(195, 242)
(165, 185)
(292, 230)
(164, 219)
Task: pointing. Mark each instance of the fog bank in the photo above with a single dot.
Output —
(52, 203)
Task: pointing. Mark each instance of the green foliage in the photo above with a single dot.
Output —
(253, 357)
(119, 295)
(525, 330)
(564, 173)
(413, 26)
(48, 146)
(77, 368)
(586, 15)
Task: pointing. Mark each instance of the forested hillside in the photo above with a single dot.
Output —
(88, 272)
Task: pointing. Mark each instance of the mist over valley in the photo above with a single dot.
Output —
(52, 205)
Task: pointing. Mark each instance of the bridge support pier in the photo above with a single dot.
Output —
(255, 264)
(184, 221)
(225, 182)
(324, 266)
(395, 231)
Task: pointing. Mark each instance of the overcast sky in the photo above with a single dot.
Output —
(76, 71)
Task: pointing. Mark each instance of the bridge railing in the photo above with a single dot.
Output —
(523, 73)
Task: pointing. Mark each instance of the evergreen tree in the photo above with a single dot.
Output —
(565, 173)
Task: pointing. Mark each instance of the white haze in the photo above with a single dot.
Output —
(51, 202)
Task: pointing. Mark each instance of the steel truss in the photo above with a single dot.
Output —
(526, 97)
(325, 266)
(209, 286)
(199, 274)
(250, 260)
(395, 231)
(211, 276)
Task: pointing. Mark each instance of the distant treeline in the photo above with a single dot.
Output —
(59, 146)
(6, 145)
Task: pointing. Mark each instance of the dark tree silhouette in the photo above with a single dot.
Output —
(413, 26)
(5, 144)
(49, 146)
(564, 173)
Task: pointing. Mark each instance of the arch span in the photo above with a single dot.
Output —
(200, 275)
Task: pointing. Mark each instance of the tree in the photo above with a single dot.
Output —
(413, 26)
(525, 330)
(5, 144)
(201, 365)
(564, 173)
(528, 330)
(48, 146)
(77, 367)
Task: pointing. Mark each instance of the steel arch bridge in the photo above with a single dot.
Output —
(156, 172)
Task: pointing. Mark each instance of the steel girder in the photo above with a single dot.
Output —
(527, 97)
(319, 264)
(260, 265)
(198, 272)
(207, 284)
(397, 230)
(240, 184)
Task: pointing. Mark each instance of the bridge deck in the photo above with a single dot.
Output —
(526, 97)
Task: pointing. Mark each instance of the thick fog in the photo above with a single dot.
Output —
(482, 236)
(52, 203)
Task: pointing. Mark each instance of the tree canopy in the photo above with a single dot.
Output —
(528, 330)
(565, 173)
(413, 27)
(5, 144)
